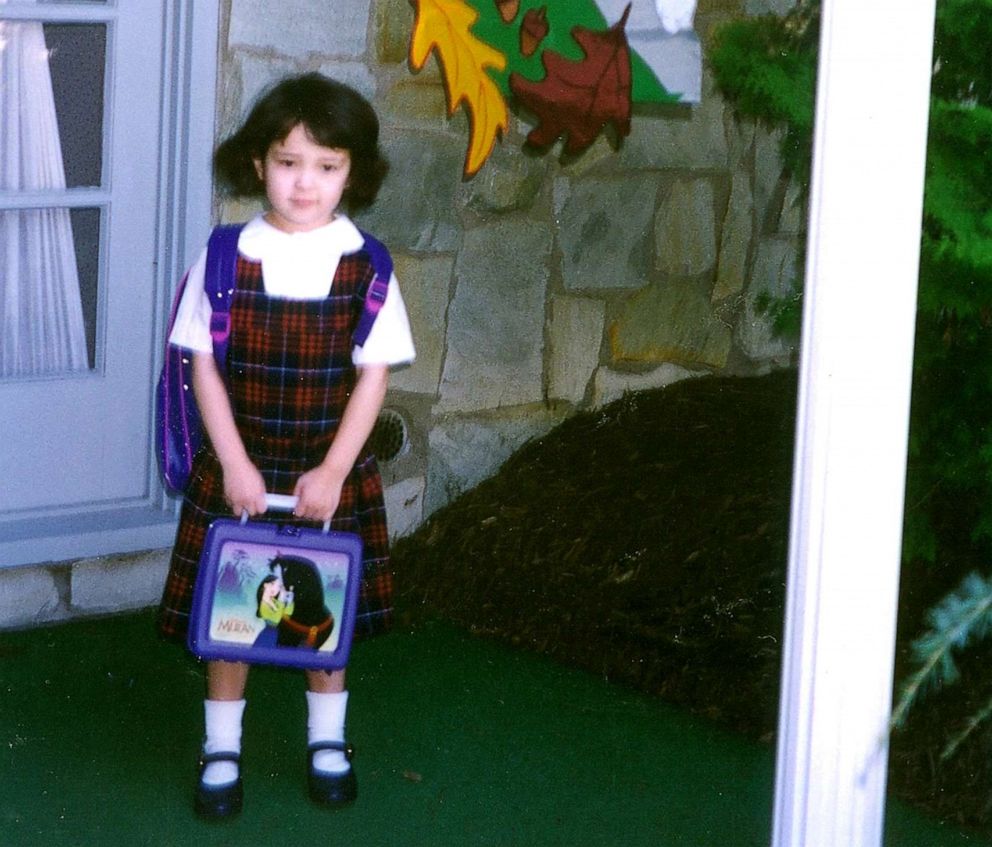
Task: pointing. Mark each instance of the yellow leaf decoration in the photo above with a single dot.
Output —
(445, 26)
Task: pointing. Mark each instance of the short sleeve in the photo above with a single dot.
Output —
(191, 328)
(390, 341)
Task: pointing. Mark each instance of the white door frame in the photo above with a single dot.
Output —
(857, 351)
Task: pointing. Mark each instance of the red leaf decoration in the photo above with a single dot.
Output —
(579, 98)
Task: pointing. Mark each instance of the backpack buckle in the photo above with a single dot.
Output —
(378, 291)
(220, 326)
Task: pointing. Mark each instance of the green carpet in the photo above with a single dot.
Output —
(460, 742)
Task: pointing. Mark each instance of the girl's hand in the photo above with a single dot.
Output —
(318, 492)
(244, 489)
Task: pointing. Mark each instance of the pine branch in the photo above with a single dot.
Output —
(963, 616)
(974, 722)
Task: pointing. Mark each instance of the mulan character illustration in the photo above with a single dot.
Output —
(275, 602)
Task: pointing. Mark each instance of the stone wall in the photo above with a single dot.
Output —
(542, 286)
(536, 289)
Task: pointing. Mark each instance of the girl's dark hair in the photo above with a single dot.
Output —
(333, 114)
(260, 592)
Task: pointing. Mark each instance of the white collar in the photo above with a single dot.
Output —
(260, 239)
(299, 265)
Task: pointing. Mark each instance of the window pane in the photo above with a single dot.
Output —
(76, 60)
(86, 238)
(49, 270)
(51, 105)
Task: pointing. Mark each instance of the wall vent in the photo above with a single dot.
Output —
(390, 436)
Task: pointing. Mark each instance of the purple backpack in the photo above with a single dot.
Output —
(179, 431)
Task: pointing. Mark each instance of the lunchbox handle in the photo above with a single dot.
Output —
(281, 503)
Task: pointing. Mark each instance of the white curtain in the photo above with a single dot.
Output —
(41, 314)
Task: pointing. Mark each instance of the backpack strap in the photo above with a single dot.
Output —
(382, 269)
(179, 430)
(219, 283)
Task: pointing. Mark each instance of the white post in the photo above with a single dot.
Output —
(860, 301)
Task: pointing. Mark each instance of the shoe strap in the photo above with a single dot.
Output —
(341, 746)
(220, 756)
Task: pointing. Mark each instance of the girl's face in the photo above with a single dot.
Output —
(303, 181)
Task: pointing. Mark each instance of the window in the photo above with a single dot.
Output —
(104, 181)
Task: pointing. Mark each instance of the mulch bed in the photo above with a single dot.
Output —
(647, 542)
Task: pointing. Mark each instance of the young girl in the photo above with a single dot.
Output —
(298, 401)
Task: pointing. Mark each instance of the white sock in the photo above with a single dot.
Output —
(223, 734)
(325, 722)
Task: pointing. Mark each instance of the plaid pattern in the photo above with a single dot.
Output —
(290, 376)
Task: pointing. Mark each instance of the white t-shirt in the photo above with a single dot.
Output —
(298, 266)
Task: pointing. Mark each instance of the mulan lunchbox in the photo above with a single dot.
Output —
(274, 593)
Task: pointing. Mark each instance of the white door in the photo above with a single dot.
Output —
(89, 163)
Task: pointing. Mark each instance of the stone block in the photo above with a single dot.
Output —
(507, 182)
(424, 282)
(464, 452)
(597, 156)
(416, 208)
(604, 231)
(414, 103)
(28, 596)
(685, 229)
(610, 385)
(792, 218)
(116, 583)
(740, 141)
(670, 323)
(576, 340)
(683, 138)
(405, 506)
(393, 26)
(735, 240)
(768, 7)
(496, 319)
(774, 274)
(300, 28)
(768, 171)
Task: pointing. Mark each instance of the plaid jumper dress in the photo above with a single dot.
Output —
(290, 375)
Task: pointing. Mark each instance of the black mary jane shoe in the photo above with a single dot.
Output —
(331, 789)
(216, 802)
